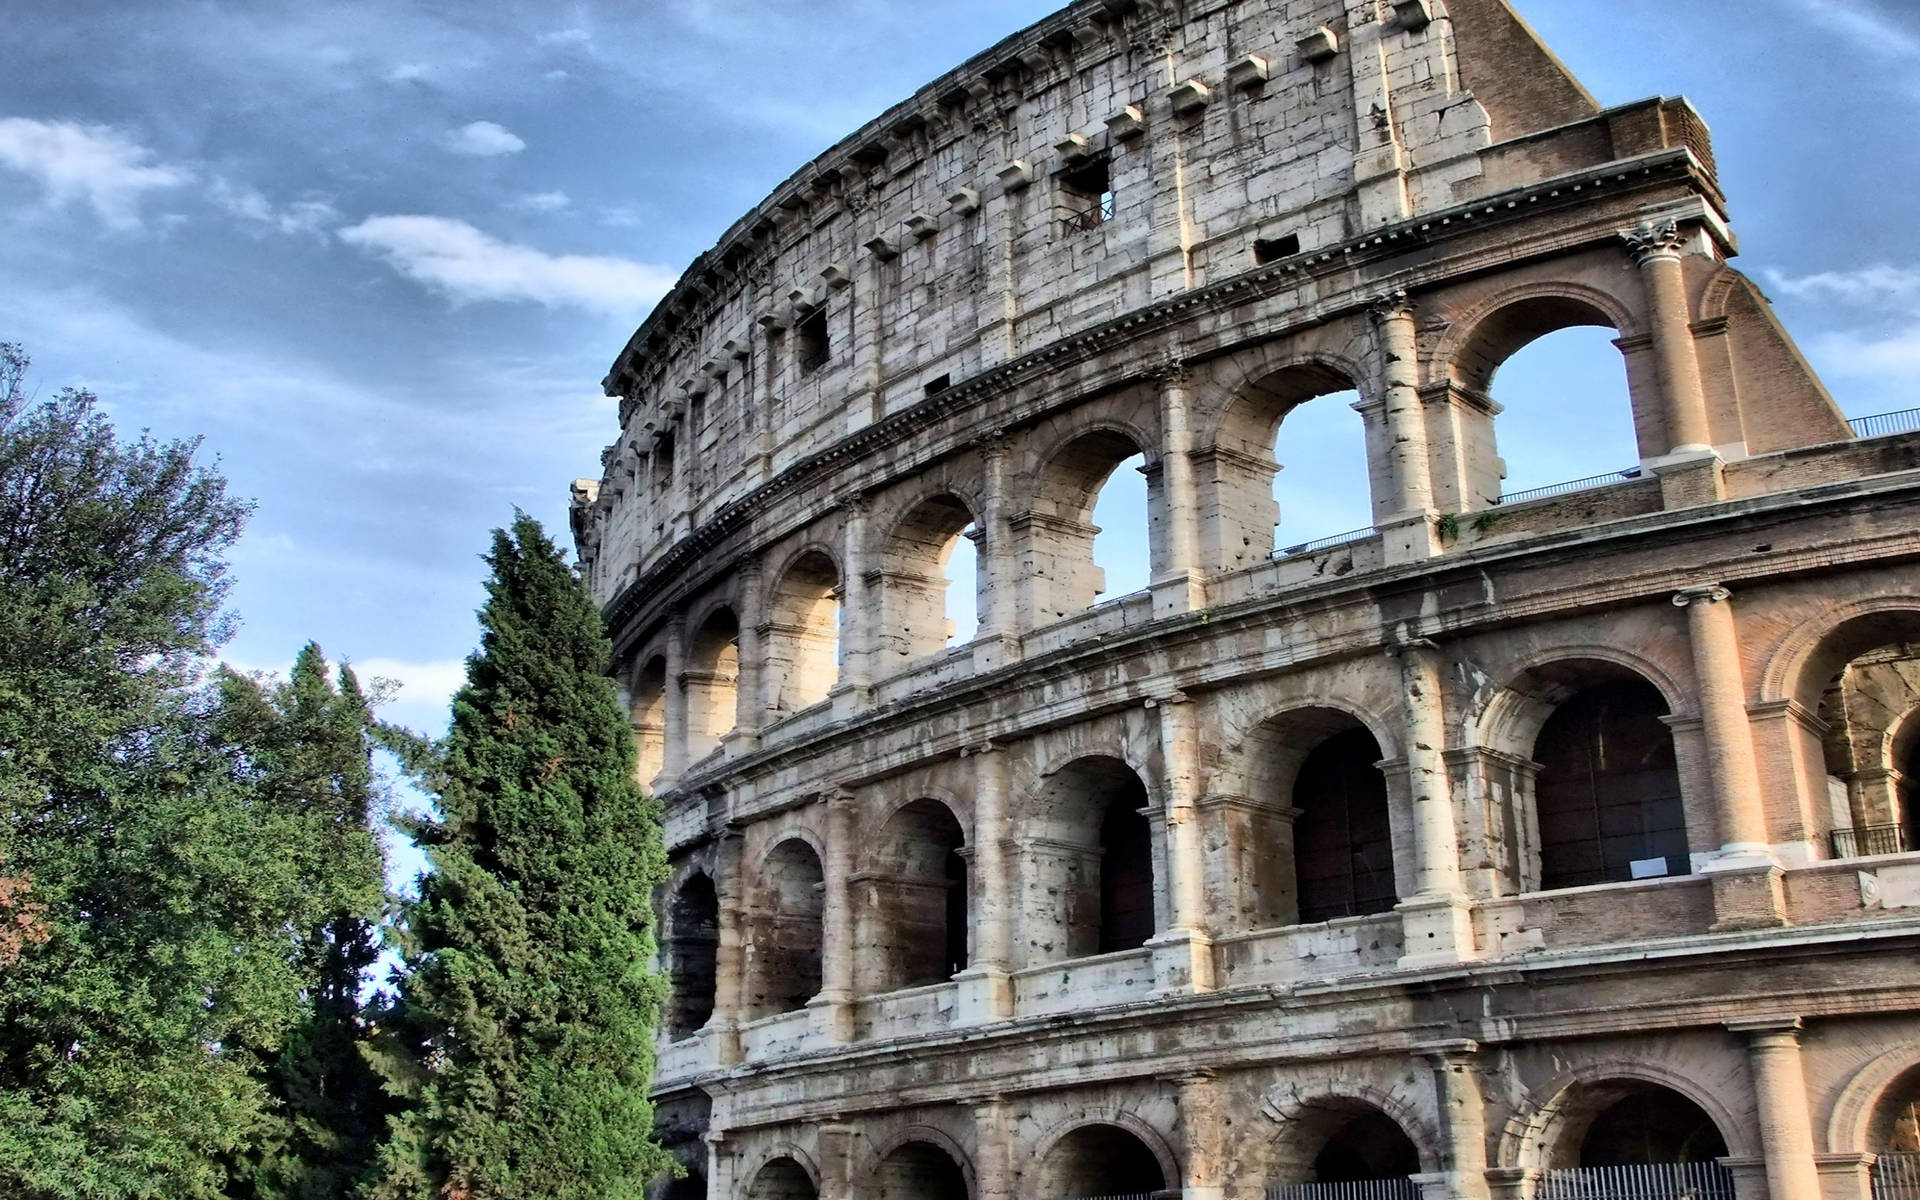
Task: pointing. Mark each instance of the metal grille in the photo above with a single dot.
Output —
(1327, 543)
(1125, 1196)
(1897, 1177)
(1571, 485)
(1864, 840)
(1886, 424)
(1650, 1181)
(1400, 1188)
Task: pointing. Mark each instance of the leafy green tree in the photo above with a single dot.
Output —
(529, 1005)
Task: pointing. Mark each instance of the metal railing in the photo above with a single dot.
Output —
(1162, 1195)
(1327, 543)
(1398, 1188)
(1907, 420)
(1863, 841)
(1650, 1181)
(1897, 1177)
(1571, 485)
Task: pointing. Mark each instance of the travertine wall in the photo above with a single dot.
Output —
(925, 335)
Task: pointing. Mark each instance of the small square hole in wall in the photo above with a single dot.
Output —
(1087, 198)
(812, 346)
(936, 386)
(1266, 250)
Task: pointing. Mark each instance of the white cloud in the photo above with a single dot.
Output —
(543, 202)
(571, 36)
(1867, 286)
(484, 139)
(302, 216)
(465, 264)
(92, 164)
(1866, 27)
(424, 697)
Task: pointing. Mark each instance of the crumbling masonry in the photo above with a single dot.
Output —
(1508, 847)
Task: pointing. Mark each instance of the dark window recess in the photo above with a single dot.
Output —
(1609, 790)
(936, 386)
(813, 345)
(1266, 250)
(1086, 195)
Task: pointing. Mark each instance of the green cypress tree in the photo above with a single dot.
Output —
(529, 1000)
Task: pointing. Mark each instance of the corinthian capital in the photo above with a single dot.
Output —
(1390, 305)
(1653, 239)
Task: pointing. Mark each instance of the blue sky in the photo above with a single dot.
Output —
(381, 253)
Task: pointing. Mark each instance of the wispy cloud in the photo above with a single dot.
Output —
(1875, 285)
(484, 139)
(95, 165)
(541, 202)
(1866, 25)
(309, 216)
(464, 264)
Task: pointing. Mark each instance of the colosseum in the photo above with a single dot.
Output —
(1543, 844)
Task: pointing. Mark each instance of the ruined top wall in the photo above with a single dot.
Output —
(1110, 157)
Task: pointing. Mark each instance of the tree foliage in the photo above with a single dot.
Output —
(526, 1018)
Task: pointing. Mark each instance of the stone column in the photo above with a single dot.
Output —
(1183, 955)
(1181, 586)
(680, 504)
(1463, 1115)
(730, 958)
(1436, 918)
(1723, 711)
(998, 640)
(1656, 247)
(994, 1138)
(856, 610)
(1409, 530)
(869, 343)
(833, 1007)
(1204, 1127)
(674, 753)
(837, 1146)
(999, 295)
(1780, 1088)
(750, 707)
(986, 989)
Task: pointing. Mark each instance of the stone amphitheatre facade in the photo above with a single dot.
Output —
(1512, 846)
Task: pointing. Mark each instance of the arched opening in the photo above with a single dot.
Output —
(1099, 1161)
(1896, 1124)
(783, 947)
(681, 1120)
(1087, 532)
(919, 1171)
(711, 683)
(1871, 710)
(803, 642)
(1607, 795)
(1293, 434)
(1342, 837)
(650, 720)
(1633, 1135)
(930, 554)
(1342, 1148)
(1543, 397)
(1651, 1125)
(782, 1179)
(914, 919)
(1091, 887)
(693, 946)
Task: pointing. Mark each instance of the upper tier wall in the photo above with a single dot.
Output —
(1108, 158)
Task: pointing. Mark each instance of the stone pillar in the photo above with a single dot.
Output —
(1845, 1176)
(856, 610)
(723, 1165)
(674, 753)
(1183, 954)
(994, 1137)
(833, 1007)
(1181, 585)
(730, 958)
(1409, 531)
(1463, 1116)
(680, 506)
(1204, 1128)
(986, 987)
(1656, 247)
(1780, 1088)
(1436, 918)
(998, 640)
(1723, 712)
(999, 297)
(869, 344)
(750, 708)
(838, 1144)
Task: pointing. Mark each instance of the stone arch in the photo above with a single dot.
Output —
(1500, 716)
(1815, 650)
(648, 709)
(711, 680)
(1309, 1123)
(914, 901)
(802, 643)
(790, 1168)
(931, 1139)
(1854, 1125)
(913, 580)
(1073, 1146)
(785, 928)
(1062, 578)
(1533, 1136)
(693, 948)
(1089, 863)
(1556, 300)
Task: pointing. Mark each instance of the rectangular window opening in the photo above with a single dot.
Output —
(812, 345)
(936, 386)
(1087, 197)
(1266, 250)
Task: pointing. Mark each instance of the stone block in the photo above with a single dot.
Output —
(1319, 45)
